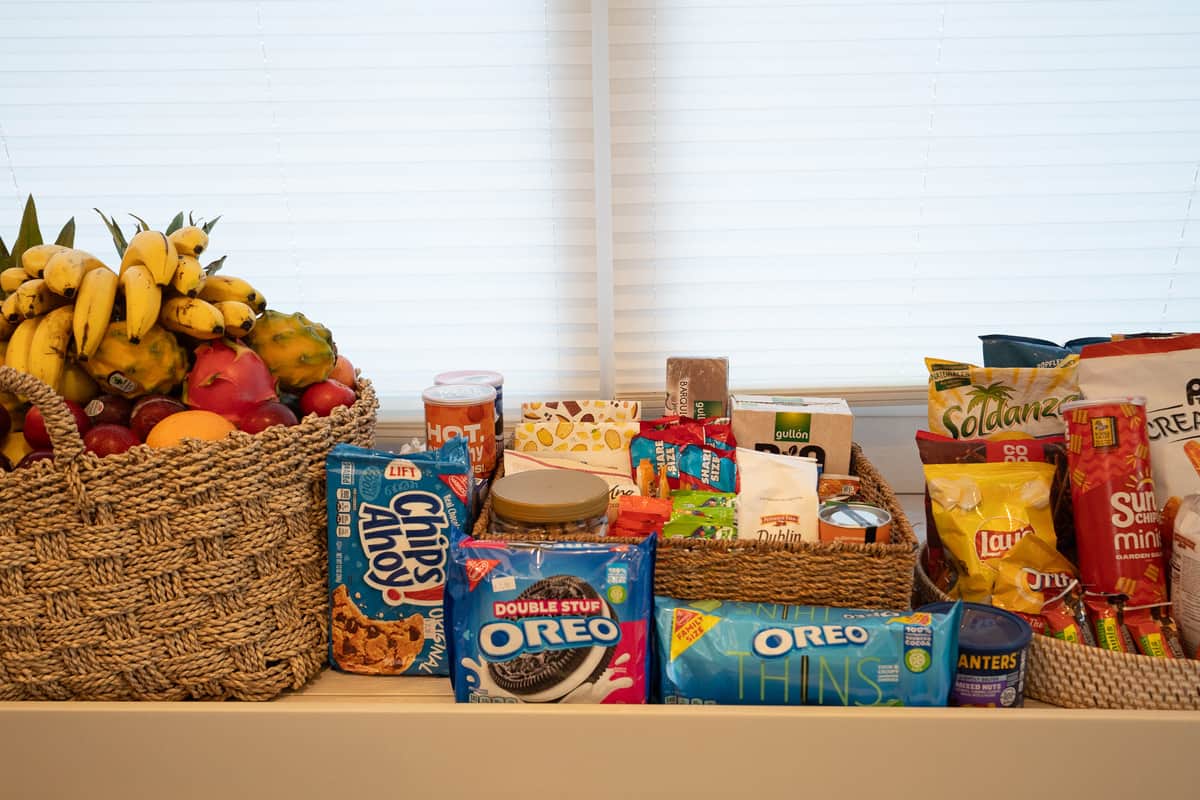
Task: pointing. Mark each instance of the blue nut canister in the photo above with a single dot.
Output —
(992, 648)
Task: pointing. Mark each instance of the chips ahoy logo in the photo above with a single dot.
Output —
(405, 544)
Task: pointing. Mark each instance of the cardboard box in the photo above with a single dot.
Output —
(697, 387)
(797, 426)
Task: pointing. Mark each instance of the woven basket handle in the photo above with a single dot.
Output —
(60, 422)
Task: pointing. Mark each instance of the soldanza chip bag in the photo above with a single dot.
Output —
(970, 402)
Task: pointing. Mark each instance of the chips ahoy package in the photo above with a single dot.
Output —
(550, 622)
(390, 518)
(713, 652)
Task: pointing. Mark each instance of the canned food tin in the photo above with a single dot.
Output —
(463, 410)
(484, 378)
(992, 646)
(854, 522)
(1112, 491)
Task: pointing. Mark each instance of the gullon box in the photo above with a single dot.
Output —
(821, 427)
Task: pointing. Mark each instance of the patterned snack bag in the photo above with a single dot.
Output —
(970, 402)
(982, 511)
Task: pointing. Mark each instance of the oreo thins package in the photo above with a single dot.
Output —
(713, 652)
(390, 519)
(550, 622)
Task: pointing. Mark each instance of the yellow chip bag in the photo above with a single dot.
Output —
(970, 402)
(982, 511)
(1032, 575)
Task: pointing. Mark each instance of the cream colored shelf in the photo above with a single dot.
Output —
(361, 737)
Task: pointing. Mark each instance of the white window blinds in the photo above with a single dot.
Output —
(417, 176)
(823, 191)
(827, 192)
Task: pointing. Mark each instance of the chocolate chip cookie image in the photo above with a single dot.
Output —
(550, 675)
(370, 646)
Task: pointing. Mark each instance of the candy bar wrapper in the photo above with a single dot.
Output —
(702, 523)
(1104, 615)
(586, 411)
(1153, 631)
(598, 444)
(688, 500)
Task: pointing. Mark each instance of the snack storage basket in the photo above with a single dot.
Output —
(197, 571)
(841, 574)
(1080, 676)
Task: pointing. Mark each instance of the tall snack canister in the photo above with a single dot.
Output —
(465, 410)
(481, 377)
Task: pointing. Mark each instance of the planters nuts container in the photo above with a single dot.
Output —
(550, 501)
(467, 411)
(992, 645)
(482, 378)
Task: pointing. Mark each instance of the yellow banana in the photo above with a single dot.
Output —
(193, 317)
(34, 298)
(143, 299)
(189, 276)
(239, 317)
(64, 271)
(189, 240)
(227, 287)
(34, 259)
(8, 309)
(154, 250)
(93, 310)
(17, 355)
(48, 349)
(11, 278)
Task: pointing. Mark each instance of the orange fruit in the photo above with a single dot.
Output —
(343, 372)
(195, 424)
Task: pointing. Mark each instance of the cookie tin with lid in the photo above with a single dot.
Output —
(550, 501)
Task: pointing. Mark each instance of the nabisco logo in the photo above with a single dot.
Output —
(1043, 581)
(996, 544)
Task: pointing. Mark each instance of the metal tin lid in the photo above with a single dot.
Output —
(854, 515)
(987, 630)
(459, 394)
(1101, 401)
(550, 495)
(470, 376)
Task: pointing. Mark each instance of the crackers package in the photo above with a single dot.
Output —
(586, 411)
(604, 444)
(697, 387)
(970, 402)
(390, 518)
(1165, 371)
(551, 622)
(821, 427)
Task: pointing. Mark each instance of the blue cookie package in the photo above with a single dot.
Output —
(550, 621)
(713, 652)
(390, 522)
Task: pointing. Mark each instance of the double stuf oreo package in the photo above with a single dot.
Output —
(550, 622)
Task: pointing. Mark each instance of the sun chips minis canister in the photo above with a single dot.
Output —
(390, 520)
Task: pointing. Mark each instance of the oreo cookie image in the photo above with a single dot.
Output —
(550, 675)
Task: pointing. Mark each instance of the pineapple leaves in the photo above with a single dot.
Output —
(175, 225)
(212, 223)
(114, 229)
(142, 224)
(215, 266)
(66, 237)
(29, 234)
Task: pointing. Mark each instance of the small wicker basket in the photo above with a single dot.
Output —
(820, 574)
(1078, 676)
(197, 571)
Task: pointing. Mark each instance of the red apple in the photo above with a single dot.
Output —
(105, 440)
(5, 422)
(109, 409)
(151, 410)
(34, 456)
(35, 425)
(264, 415)
(322, 398)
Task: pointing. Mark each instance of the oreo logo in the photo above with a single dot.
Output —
(506, 639)
(405, 545)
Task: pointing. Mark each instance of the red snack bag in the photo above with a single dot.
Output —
(1152, 631)
(639, 516)
(1103, 614)
(1116, 516)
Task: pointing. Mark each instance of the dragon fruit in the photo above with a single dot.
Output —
(298, 351)
(229, 379)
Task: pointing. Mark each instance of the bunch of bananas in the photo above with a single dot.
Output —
(59, 302)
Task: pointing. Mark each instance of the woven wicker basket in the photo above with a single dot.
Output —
(197, 571)
(821, 574)
(1077, 676)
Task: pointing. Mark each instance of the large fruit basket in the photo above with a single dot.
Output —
(1078, 676)
(805, 573)
(196, 571)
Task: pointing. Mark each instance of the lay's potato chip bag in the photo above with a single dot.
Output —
(970, 402)
(982, 511)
